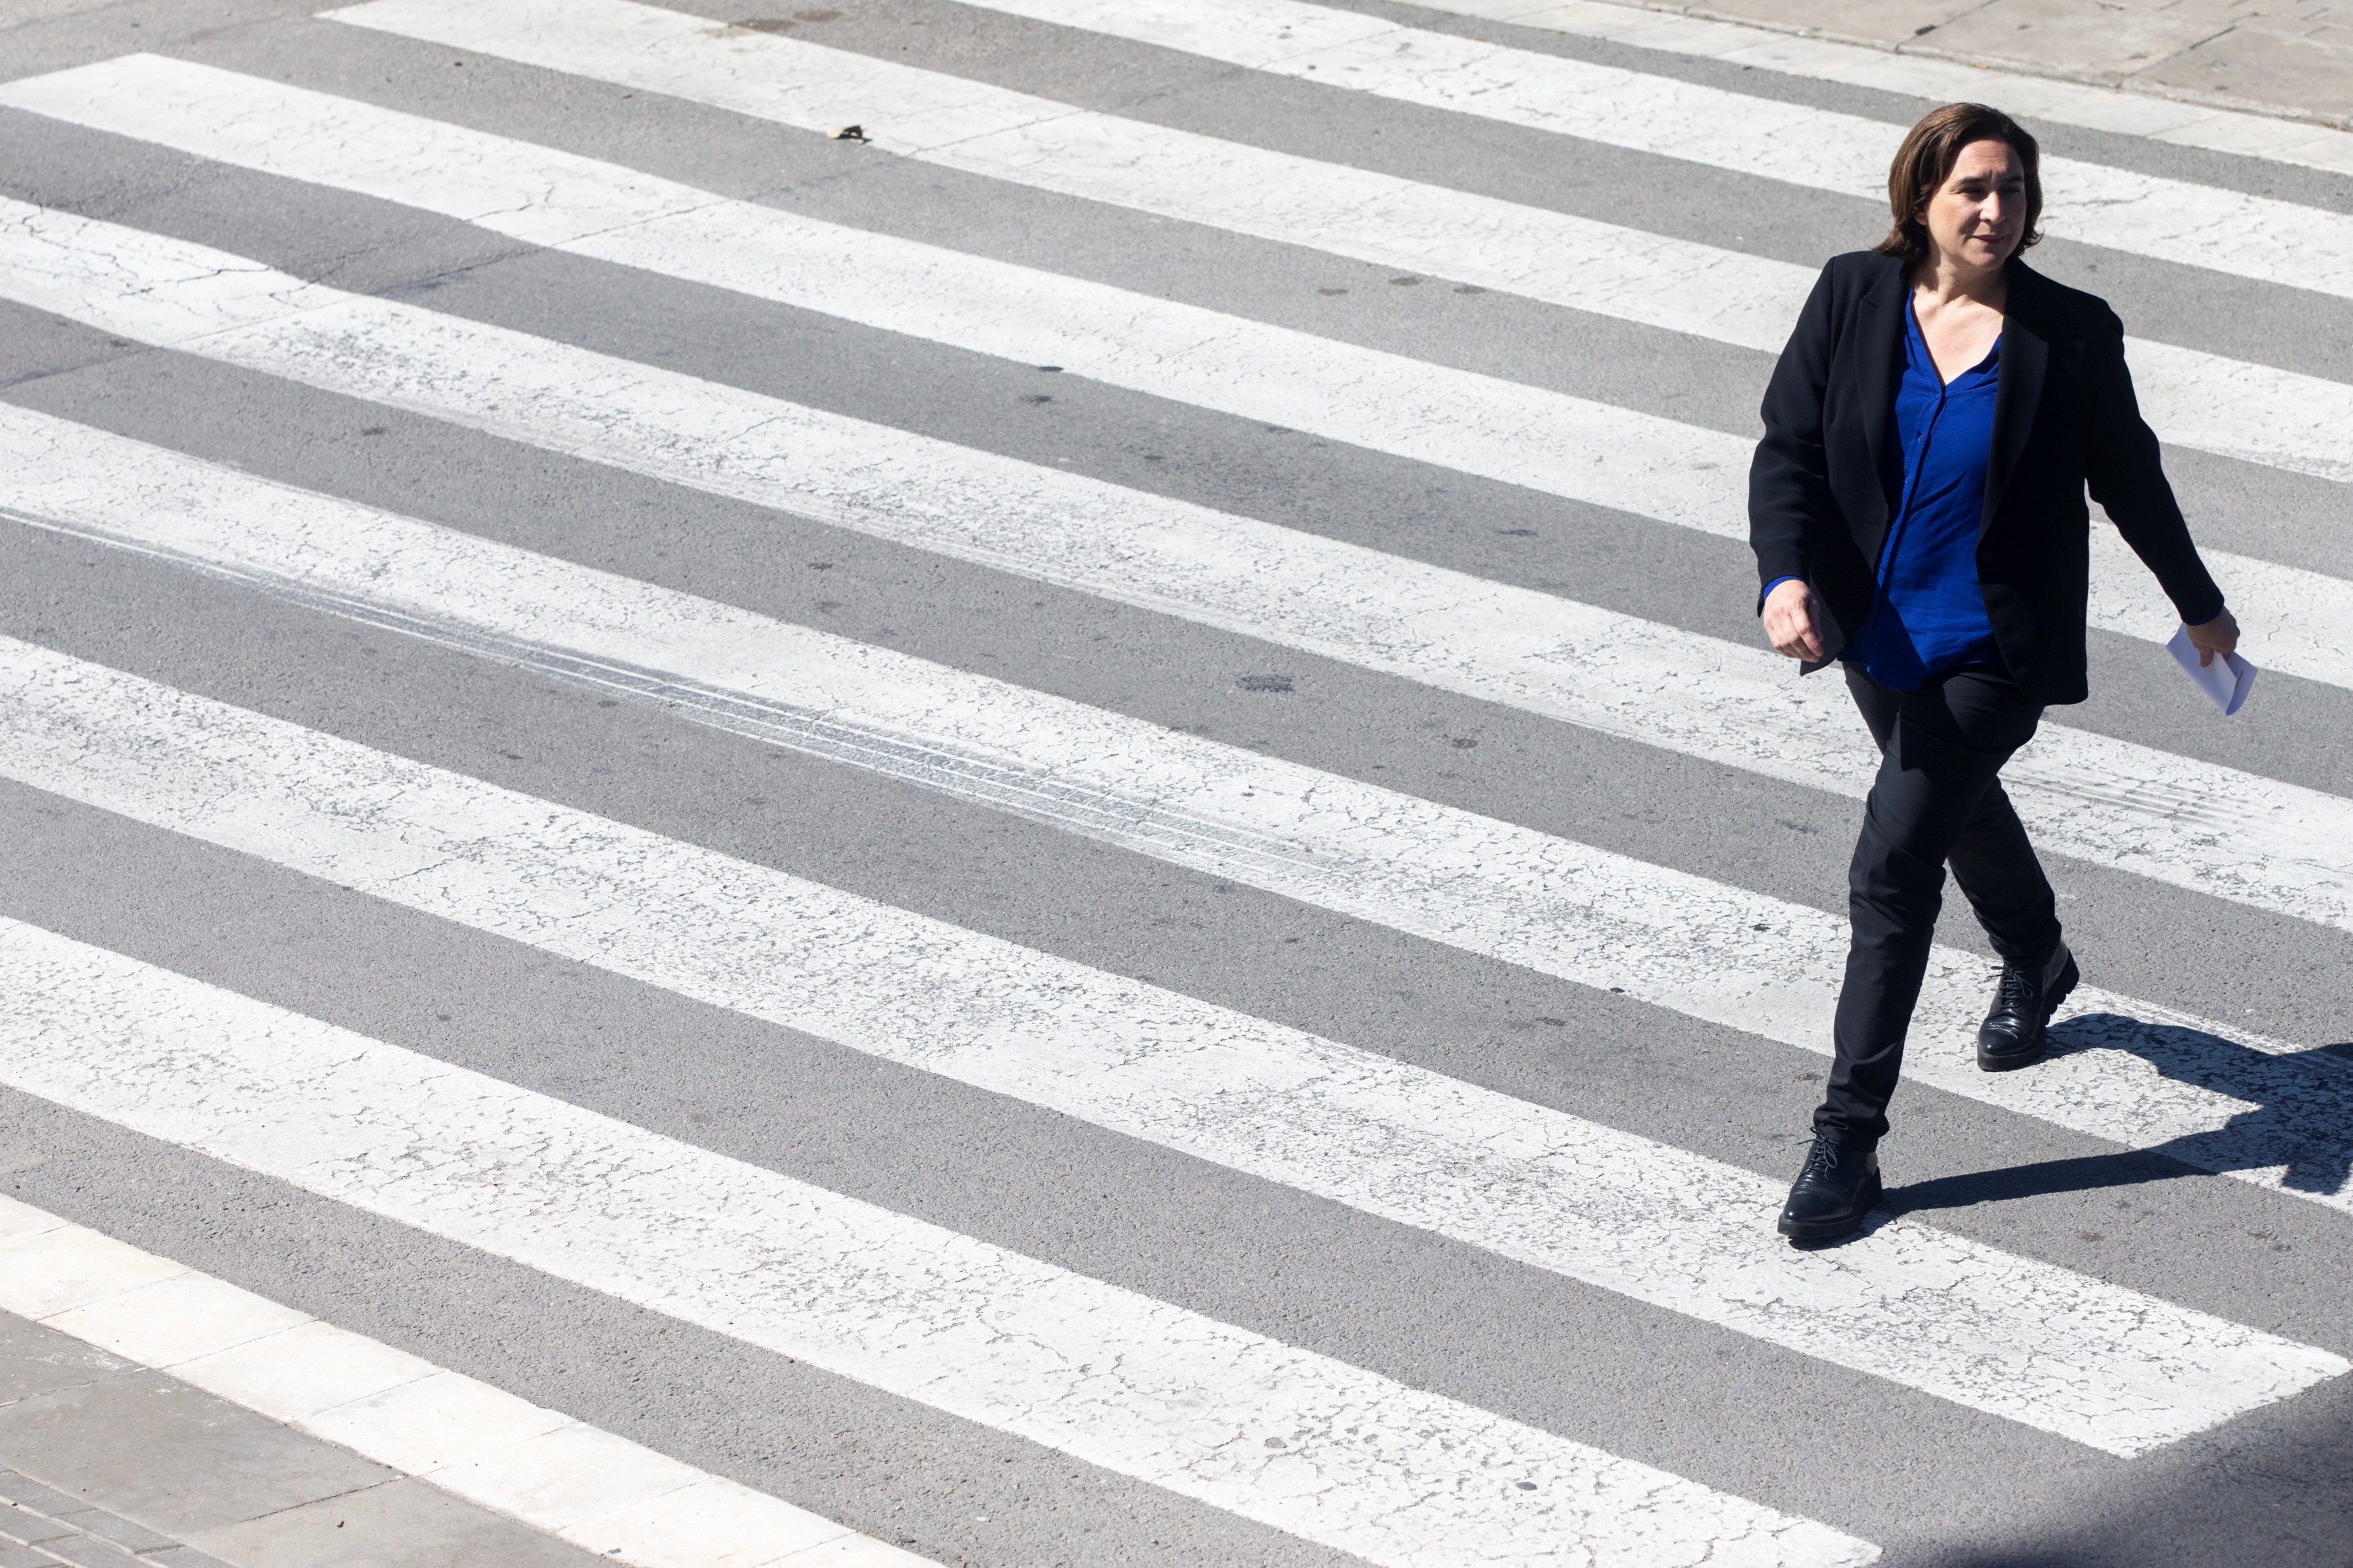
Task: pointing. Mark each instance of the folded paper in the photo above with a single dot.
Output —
(2227, 680)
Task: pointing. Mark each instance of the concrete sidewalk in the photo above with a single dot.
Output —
(105, 1464)
(2291, 57)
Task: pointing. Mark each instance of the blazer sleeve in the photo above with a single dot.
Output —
(2126, 476)
(1789, 478)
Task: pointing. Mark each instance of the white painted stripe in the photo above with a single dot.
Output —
(2250, 412)
(2212, 830)
(2171, 220)
(1987, 1330)
(2306, 617)
(1487, 887)
(1290, 1439)
(2129, 112)
(602, 1493)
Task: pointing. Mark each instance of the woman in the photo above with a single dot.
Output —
(1917, 511)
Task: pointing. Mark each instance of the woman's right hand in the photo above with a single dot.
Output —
(1792, 622)
(2220, 634)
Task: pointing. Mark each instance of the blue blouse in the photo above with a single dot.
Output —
(1930, 618)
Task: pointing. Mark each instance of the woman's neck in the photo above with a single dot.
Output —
(1940, 281)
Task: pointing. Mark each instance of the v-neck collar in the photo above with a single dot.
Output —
(1917, 335)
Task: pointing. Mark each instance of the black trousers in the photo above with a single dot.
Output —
(1938, 801)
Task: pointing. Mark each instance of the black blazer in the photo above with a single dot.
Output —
(1829, 473)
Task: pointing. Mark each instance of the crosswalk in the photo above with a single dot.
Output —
(1554, 841)
(2171, 220)
(1707, 950)
(2105, 800)
(2205, 401)
(1122, 1381)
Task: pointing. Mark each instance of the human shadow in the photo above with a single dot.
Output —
(2299, 1116)
(2266, 1490)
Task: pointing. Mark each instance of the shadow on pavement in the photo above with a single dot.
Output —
(2299, 1116)
(2272, 1489)
(2268, 1490)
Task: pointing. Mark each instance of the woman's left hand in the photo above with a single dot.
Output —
(2217, 636)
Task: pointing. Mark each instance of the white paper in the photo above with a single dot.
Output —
(2227, 680)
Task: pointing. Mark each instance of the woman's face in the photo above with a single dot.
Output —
(1978, 215)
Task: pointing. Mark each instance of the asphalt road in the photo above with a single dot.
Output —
(1666, 1376)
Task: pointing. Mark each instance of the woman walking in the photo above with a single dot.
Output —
(1916, 507)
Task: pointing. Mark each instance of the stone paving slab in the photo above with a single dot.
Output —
(2291, 57)
(104, 1464)
(401, 1524)
(179, 1459)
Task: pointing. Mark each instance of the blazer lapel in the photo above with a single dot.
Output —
(2018, 389)
(1879, 350)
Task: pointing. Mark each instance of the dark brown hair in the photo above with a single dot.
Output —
(1925, 162)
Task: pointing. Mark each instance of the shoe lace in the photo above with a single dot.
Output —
(2015, 991)
(1822, 1159)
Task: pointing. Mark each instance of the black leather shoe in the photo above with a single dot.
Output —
(2024, 1000)
(1836, 1189)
